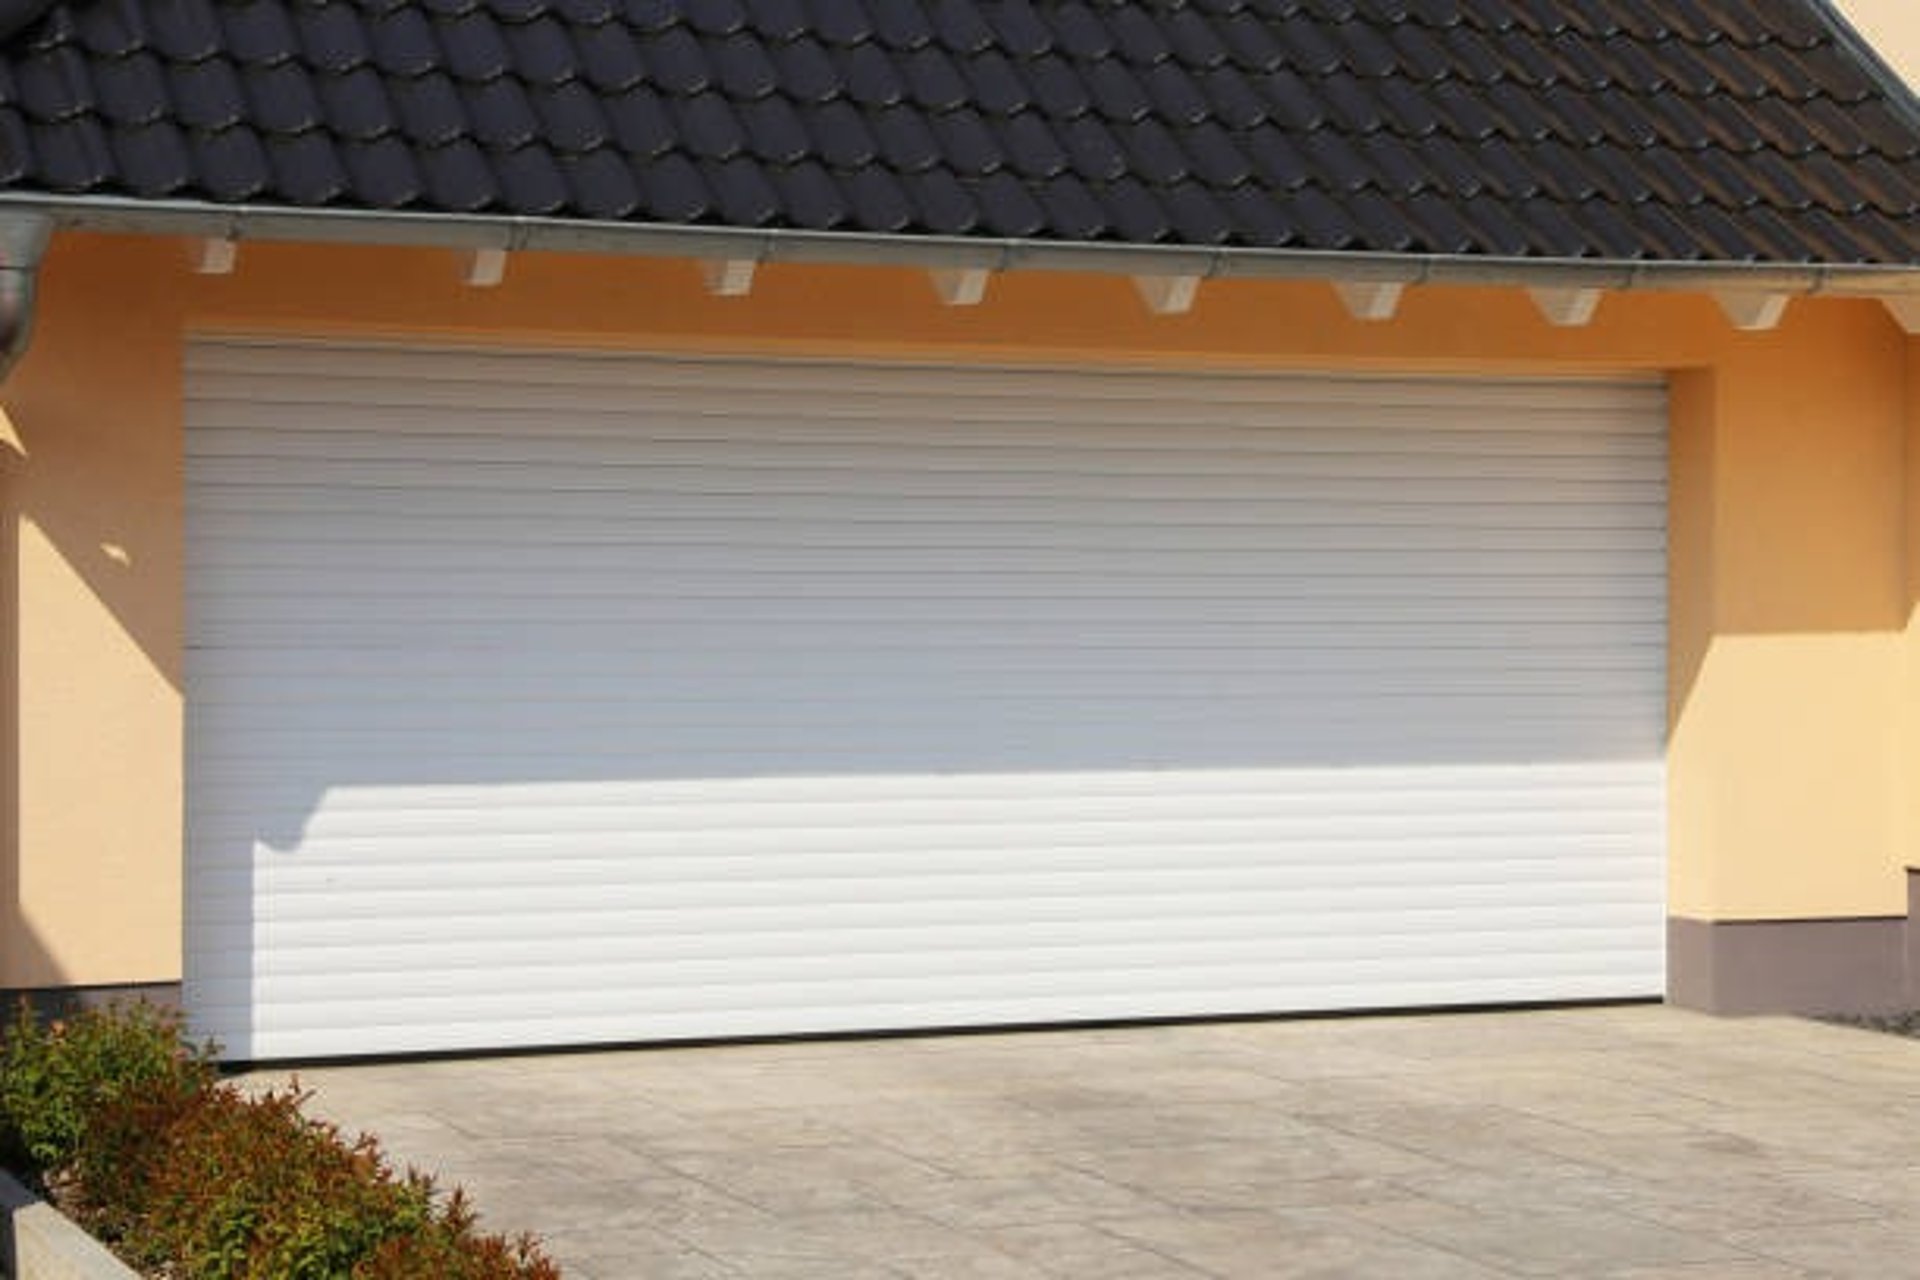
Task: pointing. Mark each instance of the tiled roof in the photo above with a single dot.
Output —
(1617, 129)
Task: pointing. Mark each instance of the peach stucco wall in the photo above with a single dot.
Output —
(1794, 719)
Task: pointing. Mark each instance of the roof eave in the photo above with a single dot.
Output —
(123, 215)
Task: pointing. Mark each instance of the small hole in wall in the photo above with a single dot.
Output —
(116, 553)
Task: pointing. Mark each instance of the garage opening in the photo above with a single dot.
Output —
(540, 699)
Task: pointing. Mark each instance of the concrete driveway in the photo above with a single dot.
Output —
(1621, 1142)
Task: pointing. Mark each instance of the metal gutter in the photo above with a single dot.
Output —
(23, 243)
(197, 219)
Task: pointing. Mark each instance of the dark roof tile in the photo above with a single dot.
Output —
(1020, 31)
(907, 144)
(280, 98)
(54, 84)
(1096, 154)
(942, 204)
(430, 109)
(812, 198)
(1197, 217)
(1195, 40)
(1139, 36)
(154, 156)
(650, 17)
(356, 104)
(713, 17)
(1259, 216)
(1032, 148)
(502, 117)
(877, 201)
(1608, 230)
(331, 37)
(933, 81)
(1614, 128)
(1136, 212)
(839, 22)
(404, 43)
(840, 135)
(531, 181)
(1277, 157)
(671, 189)
(1058, 88)
(1419, 53)
(677, 63)
(1323, 223)
(1078, 32)
(1117, 91)
(1216, 159)
(1153, 153)
(745, 196)
(519, 12)
(995, 86)
(571, 118)
(544, 51)
(872, 78)
(232, 163)
(382, 172)
(459, 176)
(807, 74)
(112, 28)
(902, 25)
(1176, 98)
(1293, 103)
(1073, 209)
(207, 94)
(186, 30)
(744, 70)
(776, 19)
(706, 126)
(610, 58)
(966, 143)
(959, 25)
(774, 131)
(477, 51)
(1007, 207)
(1232, 98)
(1443, 229)
(307, 168)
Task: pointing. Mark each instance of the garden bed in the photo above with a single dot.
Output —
(127, 1129)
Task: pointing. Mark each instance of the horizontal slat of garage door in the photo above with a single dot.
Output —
(540, 699)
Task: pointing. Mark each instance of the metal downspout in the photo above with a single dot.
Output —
(23, 243)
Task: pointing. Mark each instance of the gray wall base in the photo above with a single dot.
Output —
(37, 1243)
(1839, 965)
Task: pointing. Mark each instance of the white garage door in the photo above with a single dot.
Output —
(540, 699)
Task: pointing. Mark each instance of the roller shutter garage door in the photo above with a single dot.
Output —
(541, 699)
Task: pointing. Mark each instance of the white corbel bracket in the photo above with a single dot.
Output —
(728, 277)
(215, 255)
(484, 268)
(1370, 300)
(1905, 312)
(959, 286)
(1753, 312)
(1167, 295)
(1567, 308)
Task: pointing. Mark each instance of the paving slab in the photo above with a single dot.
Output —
(1625, 1142)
